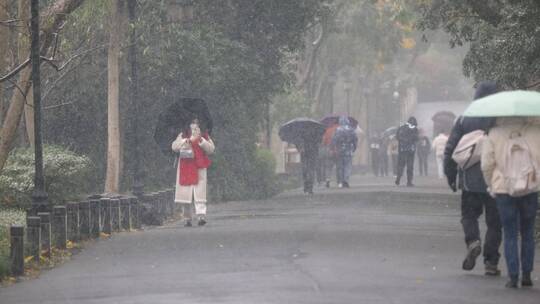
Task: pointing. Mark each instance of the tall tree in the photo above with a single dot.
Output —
(4, 38)
(54, 17)
(117, 22)
(503, 37)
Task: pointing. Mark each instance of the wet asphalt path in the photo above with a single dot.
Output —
(328, 249)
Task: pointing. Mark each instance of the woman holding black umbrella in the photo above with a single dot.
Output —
(193, 148)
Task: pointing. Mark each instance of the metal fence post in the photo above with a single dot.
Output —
(59, 227)
(115, 214)
(105, 204)
(73, 221)
(33, 234)
(84, 219)
(95, 229)
(16, 254)
(124, 213)
(134, 212)
(45, 232)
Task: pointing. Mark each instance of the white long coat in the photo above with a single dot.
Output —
(196, 193)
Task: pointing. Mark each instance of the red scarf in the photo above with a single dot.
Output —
(189, 167)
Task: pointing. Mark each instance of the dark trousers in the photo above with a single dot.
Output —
(422, 164)
(518, 216)
(309, 163)
(473, 204)
(405, 159)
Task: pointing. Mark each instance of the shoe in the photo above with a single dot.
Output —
(410, 185)
(188, 224)
(346, 185)
(512, 283)
(340, 185)
(526, 280)
(397, 182)
(473, 251)
(201, 222)
(491, 270)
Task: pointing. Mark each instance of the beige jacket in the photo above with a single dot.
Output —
(439, 143)
(196, 193)
(493, 148)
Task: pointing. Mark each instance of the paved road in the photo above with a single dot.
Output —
(332, 248)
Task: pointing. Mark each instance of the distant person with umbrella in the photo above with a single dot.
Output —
(345, 141)
(407, 136)
(306, 135)
(193, 148)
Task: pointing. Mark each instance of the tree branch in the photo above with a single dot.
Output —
(15, 71)
(485, 12)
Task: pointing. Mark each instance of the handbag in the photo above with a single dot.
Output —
(186, 152)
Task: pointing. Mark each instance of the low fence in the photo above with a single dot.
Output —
(89, 219)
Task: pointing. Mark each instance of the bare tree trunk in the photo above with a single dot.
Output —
(54, 17)
(112, 180)
(4, 38)
(24, 51)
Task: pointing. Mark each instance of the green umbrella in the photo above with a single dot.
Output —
(504, 104)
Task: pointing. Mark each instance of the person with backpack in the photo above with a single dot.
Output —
(511, 167)
(344, 141)
(475, 198)
(407, 136)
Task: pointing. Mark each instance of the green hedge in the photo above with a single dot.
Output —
(66, 176)
(255, 180)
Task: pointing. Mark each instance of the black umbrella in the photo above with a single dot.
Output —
(301, 129)
(177, 117)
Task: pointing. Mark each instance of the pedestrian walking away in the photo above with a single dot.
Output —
(475, 198)
(438, 145)
(407, 136)
(423, 148)
(345, 142)
(193, 148)
(510, 164)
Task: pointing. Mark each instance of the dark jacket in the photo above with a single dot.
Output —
(472, 179)
(407, 136)
(345, 139)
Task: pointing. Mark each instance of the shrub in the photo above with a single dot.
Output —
(264, 181)
(66, 176)
(250, 177)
